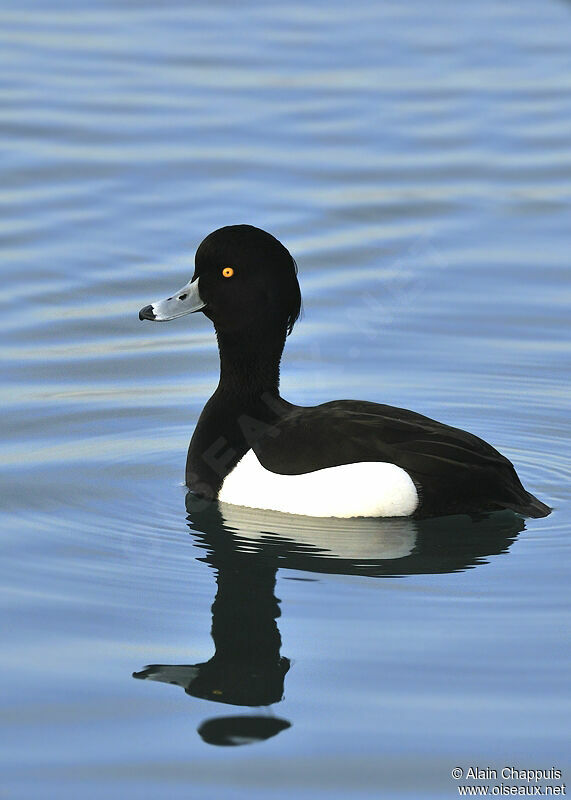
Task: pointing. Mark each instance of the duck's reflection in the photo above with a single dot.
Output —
(246, 668)
(246, 547)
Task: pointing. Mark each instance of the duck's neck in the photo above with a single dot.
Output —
(250, 364)
(243, 408)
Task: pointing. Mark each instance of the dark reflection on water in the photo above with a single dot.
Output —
(362, 546)
(246, 548)
(240, 730)
(246, 669)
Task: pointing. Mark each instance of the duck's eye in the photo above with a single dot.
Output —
(227, 272)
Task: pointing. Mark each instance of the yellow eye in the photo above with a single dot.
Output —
(227, 272)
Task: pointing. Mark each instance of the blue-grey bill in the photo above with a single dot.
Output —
(185, 301)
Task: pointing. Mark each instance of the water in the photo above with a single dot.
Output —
(416, 160)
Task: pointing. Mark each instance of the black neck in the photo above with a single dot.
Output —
(243, 408)
(250, 363)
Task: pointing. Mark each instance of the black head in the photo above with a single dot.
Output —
(244, 279)
(247, 278)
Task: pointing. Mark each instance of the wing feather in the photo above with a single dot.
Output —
(442, 460)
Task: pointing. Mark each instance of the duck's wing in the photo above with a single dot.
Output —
(453, 470)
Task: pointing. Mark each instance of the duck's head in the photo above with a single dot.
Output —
(244, 278)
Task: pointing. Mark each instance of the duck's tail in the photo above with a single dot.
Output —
(531, 507)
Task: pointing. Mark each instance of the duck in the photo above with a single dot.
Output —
(343, 458)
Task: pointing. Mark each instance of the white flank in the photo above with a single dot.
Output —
(364, 489)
